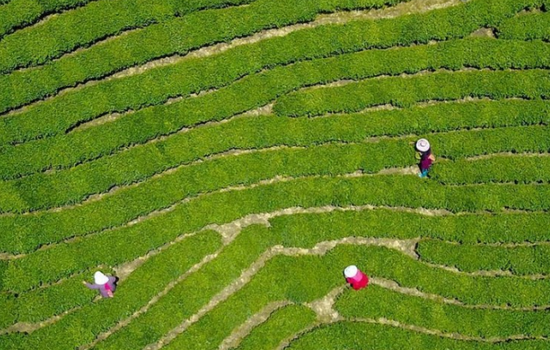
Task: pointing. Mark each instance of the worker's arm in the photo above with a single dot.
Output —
(91, 286)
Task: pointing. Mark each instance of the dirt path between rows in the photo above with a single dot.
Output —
(246, 276)
(230, 230)
(173, 206)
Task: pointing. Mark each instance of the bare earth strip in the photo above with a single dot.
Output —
(248, 274)
(243, 330)
(230, 230)
(277, 179)
(153, 301)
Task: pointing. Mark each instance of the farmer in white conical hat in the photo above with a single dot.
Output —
(356, 277)
(426, 156)
(105, 284)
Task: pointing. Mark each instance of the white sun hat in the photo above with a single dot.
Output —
(423, 145)
(350, 271)
(100, 278)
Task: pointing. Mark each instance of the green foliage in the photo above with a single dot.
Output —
(401, 92)
(20, 13)
(90, 319)
(260, 89)
(491, 207)
(376, 302)
(388, 223)
(24, 233)
(71, 186)
(357, 335)
(174, 36)
(29, 271)
(520, 260)
(307, 278)
(519, 168)
(531, 26)
(317, 42)
(194, 292)
(47, 300)
(277, 327)
(68, 31)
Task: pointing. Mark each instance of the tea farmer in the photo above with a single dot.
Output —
(105, 284)
(426, 156)
(356, 277)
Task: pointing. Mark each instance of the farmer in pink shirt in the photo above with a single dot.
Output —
(426, 156)
(356, 277)
(105, 284)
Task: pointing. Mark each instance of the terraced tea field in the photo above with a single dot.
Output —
(227, 159)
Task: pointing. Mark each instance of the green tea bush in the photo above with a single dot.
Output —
(138, 193)
(20, 13)
(270, 333)
(28, 272)
(90, 319)
(176, 36)
(441, 24)
(356, 96)
(57, 36)
(521, 260)
(260, 89)
(347, 334)
(520, 168)
(526, 27)
(377, 302)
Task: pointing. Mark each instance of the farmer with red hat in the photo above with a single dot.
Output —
(105, 284)
(426, 156)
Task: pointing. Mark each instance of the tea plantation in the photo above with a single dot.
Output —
(227, 159)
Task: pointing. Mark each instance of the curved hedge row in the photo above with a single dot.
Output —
(26, 232)
(27, 272)
(90, 319)
(347, 334)
(20, 13)
(260, 89)
(520, 168)
(176, 36)
(356, 96)
(36, 45)
(441, 24)
(254, 134)
(307, 278)
(521, 260)
(447, 318)
(531, 26)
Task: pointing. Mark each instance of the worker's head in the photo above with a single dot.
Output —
(100, 278)
(350, 271)
(423, 145)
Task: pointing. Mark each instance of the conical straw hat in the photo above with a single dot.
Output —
(423, 145)
(350, 271)
(100, 278)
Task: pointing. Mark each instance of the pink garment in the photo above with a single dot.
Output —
(425, 160)
(359, 281)
(104, 288)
